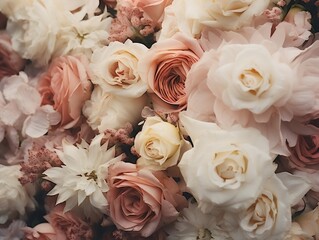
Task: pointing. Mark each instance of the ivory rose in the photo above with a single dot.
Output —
(114, 68)
(66, 86)
(159, 144)
(10, 62)
(225, 167)
(141, 200)
(269, 215)
(165, 68)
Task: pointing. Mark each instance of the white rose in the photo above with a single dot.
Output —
(250, 77)
(33, 28)
(14, 197)
(269, 216)
(107, 111)
(159, 144)
(225, 167)
(114, 68)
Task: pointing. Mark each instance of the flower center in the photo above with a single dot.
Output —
(152, 149)
(252, 80)
(204, 234)
(91, 175)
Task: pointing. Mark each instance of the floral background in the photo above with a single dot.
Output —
(159, 119)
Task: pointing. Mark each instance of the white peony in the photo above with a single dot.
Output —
(33, 28)
(14, 198)
(159, 144)
(191, 17)
(225, 167)
(81, 179)
(114, 68)
(108, 111)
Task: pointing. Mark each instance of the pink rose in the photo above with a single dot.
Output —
(66, 86)
(305, 155)
(153, 9)
(165, 68)
(10, 62)
(142, 201)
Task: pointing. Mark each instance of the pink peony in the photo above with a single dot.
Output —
(10, 62)
(165, 68)
(66, 86)
(142, 201)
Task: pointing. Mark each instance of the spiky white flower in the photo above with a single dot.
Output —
(82, 178)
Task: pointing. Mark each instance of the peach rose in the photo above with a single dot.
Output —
(154, 9)
(66, 86)
(165, 68)
(42, 231)
(10, 62)
(142, 201)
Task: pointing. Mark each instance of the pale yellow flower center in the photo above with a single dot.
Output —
(204, 234)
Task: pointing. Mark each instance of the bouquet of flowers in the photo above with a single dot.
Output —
(159, 119)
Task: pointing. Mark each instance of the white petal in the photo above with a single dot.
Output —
(36, 125)
(9, 114)
(297, 186)
(28, 99)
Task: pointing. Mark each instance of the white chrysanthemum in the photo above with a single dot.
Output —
(194, 224)
(82, 177)
(14, 198)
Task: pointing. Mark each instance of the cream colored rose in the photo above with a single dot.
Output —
(115, 68)
(108, 111)
(225, 167)
(159, 144)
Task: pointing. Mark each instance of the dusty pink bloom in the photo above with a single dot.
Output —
(121, 135)
(43, 231)
(66, 86)
(273, 14)
(38, 159)
(69, 224)
(140, 200)
(130, 23)
(165, 68)
(10, 62)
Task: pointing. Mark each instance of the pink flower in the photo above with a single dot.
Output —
(69, 224)
(66, 86)
(165, 68)
(305, 155)
(153, 9)
(43, 231)
(142, 201)
(10, 62)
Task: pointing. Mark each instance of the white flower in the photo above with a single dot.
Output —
(192, 16)
(82, 177)
(21, 107)
(108, 111)
(114, 68)
(14, 198)
(78, 36)
(194, 224)
(269, 216)
(225, 167)
(159, 144)
(33, 28)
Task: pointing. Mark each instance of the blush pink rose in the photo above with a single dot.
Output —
(66, 86)
(141, 201)
(10, 62)
(305, 155)
(165, 68)
(154, 9)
